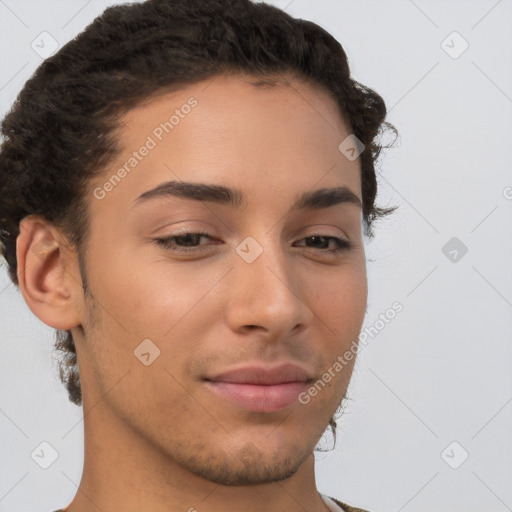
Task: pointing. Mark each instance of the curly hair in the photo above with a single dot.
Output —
(61, 131)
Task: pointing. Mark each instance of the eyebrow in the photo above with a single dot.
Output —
(313, 200)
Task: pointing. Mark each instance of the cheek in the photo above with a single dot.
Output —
(339, 300)
(339, 303)
(148, 299)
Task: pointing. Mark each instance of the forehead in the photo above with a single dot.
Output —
(268, 138)
(224, 90)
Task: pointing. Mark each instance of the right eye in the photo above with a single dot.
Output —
(183, 242)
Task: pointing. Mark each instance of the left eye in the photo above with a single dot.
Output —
(341, 245)
(189, 242)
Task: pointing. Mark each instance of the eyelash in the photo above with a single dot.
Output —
(343, 245)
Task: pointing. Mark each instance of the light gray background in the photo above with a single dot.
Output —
(441, 370)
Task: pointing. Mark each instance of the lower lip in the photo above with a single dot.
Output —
(259, 398)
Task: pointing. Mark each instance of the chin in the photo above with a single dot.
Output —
(248, 465)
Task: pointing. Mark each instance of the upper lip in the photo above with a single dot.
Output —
(263, 375)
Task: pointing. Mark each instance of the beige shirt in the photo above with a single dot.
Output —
(330, 503)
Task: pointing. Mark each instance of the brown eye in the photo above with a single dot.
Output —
(184, 242)
(321, 242)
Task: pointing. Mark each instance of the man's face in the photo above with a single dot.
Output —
(261, 288)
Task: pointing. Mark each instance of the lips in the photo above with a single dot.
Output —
(261, 375)
(260, 389)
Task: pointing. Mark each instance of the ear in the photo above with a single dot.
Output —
(48, 274)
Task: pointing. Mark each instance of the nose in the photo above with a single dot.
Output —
(266, 295)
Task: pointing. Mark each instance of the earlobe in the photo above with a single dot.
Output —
(46, 276)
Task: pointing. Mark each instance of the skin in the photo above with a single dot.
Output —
(156, 438)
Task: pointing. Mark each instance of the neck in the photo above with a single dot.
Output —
(124, 471)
